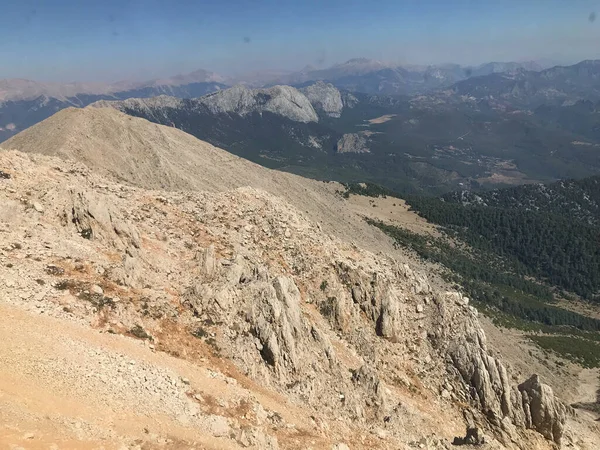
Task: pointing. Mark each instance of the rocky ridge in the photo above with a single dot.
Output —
(260, 277)
(368, 346)
(284, 101)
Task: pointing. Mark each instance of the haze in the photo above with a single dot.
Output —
(65, 40)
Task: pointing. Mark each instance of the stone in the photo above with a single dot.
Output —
(38, 207)
(95, 289)
(207, 262)
(474, 436)
(543, 411)
(340, 446)
(218, 426)
(419, 308)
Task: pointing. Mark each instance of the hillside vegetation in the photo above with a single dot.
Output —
(514, 251)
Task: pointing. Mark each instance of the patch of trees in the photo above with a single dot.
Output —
(561, 252)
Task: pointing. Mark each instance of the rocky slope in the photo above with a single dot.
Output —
(310, 340)
(152, 156)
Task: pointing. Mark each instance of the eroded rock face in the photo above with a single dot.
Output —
(276, 322)
(530, 405)
(282, 100)
(93, 215)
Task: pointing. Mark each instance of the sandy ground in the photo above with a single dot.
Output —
(47, 390)
(65, 385)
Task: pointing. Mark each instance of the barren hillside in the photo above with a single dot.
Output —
(215, 311)
(140, 153)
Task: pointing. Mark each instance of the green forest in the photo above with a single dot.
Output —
(561, 252)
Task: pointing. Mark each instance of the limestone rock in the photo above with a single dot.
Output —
(352, 143)
(285, 101)
(325, 97)
(277, 322)
(93, 217)
(474, 436)
(206, 261)
(543, 411)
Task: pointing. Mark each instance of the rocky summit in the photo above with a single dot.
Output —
(284, 101)
(208, 307)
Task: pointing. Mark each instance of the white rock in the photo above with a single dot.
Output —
(96, 289)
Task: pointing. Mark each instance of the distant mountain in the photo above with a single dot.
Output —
(24, 103)
(284, 101)
(524, 88)
(502, 67)
(376, 77)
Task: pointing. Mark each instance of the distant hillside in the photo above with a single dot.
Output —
(550, 232)
(572, 199)
(532, 88)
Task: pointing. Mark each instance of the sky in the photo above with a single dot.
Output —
(110, 40)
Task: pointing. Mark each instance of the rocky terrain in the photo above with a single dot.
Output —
(229, 307)
(352, 143)
(326, 97)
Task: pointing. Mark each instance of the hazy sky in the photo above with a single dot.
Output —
(63, 40)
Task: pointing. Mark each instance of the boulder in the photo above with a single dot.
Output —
(543, 411)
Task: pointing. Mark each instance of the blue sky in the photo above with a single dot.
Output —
(65, 40)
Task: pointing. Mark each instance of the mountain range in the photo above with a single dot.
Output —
(430, 143)
(25, 102)
(411, 129)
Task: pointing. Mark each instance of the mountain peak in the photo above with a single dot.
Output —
(282, 100)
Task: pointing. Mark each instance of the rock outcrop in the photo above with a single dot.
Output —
(530, 405)
(542, 410)
(325, 97)
(352, 143)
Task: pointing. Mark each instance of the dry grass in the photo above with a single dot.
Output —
(381, 119)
